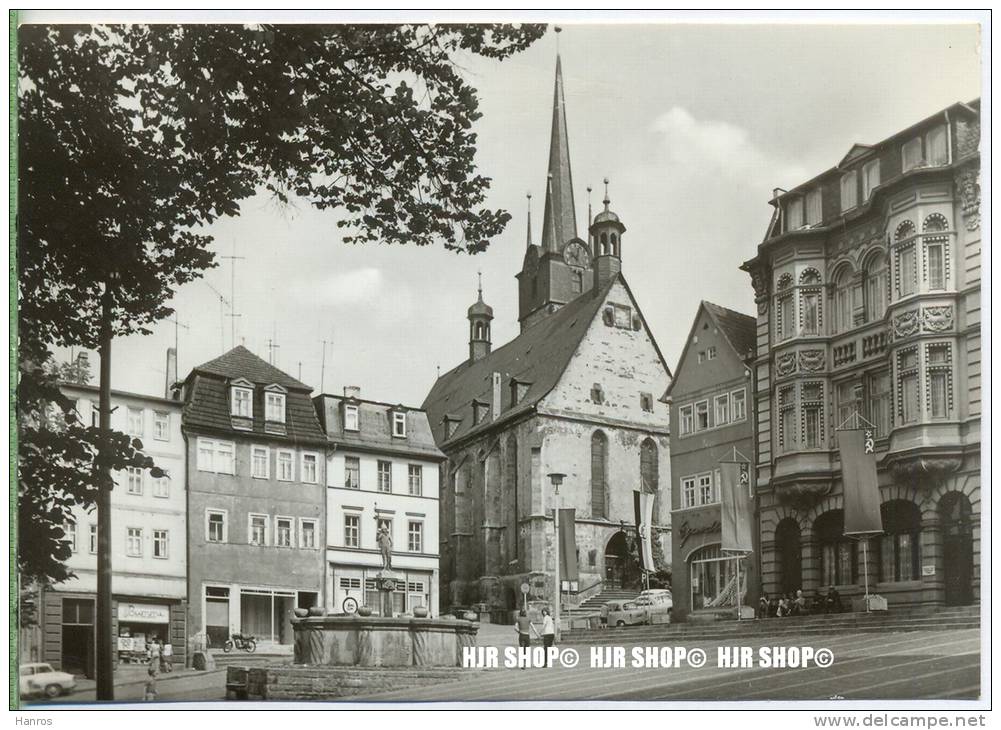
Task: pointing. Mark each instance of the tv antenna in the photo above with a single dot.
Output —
(223, 303)
(232, 292)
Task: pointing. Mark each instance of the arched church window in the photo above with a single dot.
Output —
(604, 244)
(599, 458)
(615, 245)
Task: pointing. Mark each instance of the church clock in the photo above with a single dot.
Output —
(575, 254)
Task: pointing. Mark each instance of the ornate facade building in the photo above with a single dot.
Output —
(867, 287)
(576, 392)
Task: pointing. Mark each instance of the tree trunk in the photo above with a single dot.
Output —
(103, 637)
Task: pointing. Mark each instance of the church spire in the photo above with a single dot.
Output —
(559, 222)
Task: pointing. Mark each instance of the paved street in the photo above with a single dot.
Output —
(909, 665)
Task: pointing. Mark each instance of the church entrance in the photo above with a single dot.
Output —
(621, 566)
(957, 548)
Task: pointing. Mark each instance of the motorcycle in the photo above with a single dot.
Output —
(241, 641)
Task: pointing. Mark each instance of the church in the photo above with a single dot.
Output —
(577, 393)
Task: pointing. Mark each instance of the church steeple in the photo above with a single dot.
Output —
(559, 223)
(479, 315)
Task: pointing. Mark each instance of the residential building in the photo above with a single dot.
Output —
(256, 497)
(868, 293)
(148, 544)
(575, 392)
(711, 397)
(382, 472)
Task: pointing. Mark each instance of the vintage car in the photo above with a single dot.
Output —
(41, 679)
(657, 602)
(626, 613)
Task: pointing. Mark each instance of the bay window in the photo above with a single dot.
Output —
(907, 273)
(813, 415)
(939, 366)
(907, 381)
(935, 258)
(879, 403)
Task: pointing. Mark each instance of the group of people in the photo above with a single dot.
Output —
(158, 659)
(797, 604)
(525, 628)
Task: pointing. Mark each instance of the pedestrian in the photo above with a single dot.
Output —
(548, 633)
(763, 606)
(523, 625)
(149, 693)
(166, 652)
(153, 655)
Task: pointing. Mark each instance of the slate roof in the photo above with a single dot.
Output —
(207, 404)
(375, 430)
(538, 357)
(739, 329)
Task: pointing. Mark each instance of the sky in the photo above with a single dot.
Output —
(694, 125)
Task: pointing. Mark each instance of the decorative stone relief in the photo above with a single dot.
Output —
(905, 324)
(811, 360)
(968, 189)
(937, 319)
(760, 283)
(786, 363)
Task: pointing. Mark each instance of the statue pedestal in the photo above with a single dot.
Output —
(385, 581)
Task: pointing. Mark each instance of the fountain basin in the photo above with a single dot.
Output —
(375, 641)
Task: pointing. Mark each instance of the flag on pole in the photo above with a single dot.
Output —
(568, 545)
(737, 510)
(643, 509)
(858, 473)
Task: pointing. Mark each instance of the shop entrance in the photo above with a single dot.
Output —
(957, 548)
(78, 637)
(267, 614)
(216, 616)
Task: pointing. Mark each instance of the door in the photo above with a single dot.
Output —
(78, 637)
(790, 556)
(616, 554)
(957, 548)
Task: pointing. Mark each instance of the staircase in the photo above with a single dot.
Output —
(592, 606)
(899, 619)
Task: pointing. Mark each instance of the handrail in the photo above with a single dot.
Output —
(579, 597)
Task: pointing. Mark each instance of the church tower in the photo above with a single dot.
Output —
(557, 270)
(480, 315)
(606, 233)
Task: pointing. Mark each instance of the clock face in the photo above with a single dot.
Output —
(575, 254)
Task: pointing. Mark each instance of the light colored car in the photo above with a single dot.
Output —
(661, 595)
(656, 601)
(626, 613)
(41, 679)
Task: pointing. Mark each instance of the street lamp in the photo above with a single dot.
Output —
(556, 479)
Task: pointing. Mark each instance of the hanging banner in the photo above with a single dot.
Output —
(643, 512)
(568, 545)
(858, 473)
(736, 507)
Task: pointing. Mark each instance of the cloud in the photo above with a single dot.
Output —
(720, 149)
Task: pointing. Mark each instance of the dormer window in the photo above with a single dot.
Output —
(480, 411)
(350, 418)
(399, 424)
(519, 389)
(241, 397)
(274, 407)
(451, 425)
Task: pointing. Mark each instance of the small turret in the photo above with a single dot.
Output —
(606, 234)
(480, 315)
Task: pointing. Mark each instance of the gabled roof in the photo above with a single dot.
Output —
(242, 363)
(738, 330)
(538, 356)
(375, 431)
(857, 151)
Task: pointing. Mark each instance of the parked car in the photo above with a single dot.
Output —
(661, 595)
(656, 601)
(41, 679)
(626, 613)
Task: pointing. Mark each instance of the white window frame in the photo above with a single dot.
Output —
(135, 475)
(163, 482)
(399, 424)
(379, 474)
(92, 539)
(356, 460)
(70, 530)
(690, 409)
(161, 425)
(256, 451)
(303, 521)
(209, 511)
(711, 352)
(274, 405)
(291, 531)
(234, 392)
(870, 181)
(351, 418)
(743, 405)
(696, 422)
(280, 454)
(316, 467)
(250, 529)
(129, 538)
(420, 480)
(702, 481)
(420, 535)
(210, 450)
(166, 544)
(849, 185)
(357, 528)
(689, 495)
(814, 207)
(131, 412)
(723, 400)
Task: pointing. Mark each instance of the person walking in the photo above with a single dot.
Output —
(523, 625)
(149, 692)
(166, 662)
(548, 633)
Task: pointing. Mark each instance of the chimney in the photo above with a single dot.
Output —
(171, 372)
(352, 391)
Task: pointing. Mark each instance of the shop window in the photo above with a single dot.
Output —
(714, 578)
(900, 546)
(837, 552)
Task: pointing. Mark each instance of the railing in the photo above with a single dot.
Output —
(857, 347)
(874, 344)
(583, 594)
(844, 354)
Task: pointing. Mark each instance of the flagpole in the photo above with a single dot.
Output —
(736, 593)
(865, 567)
